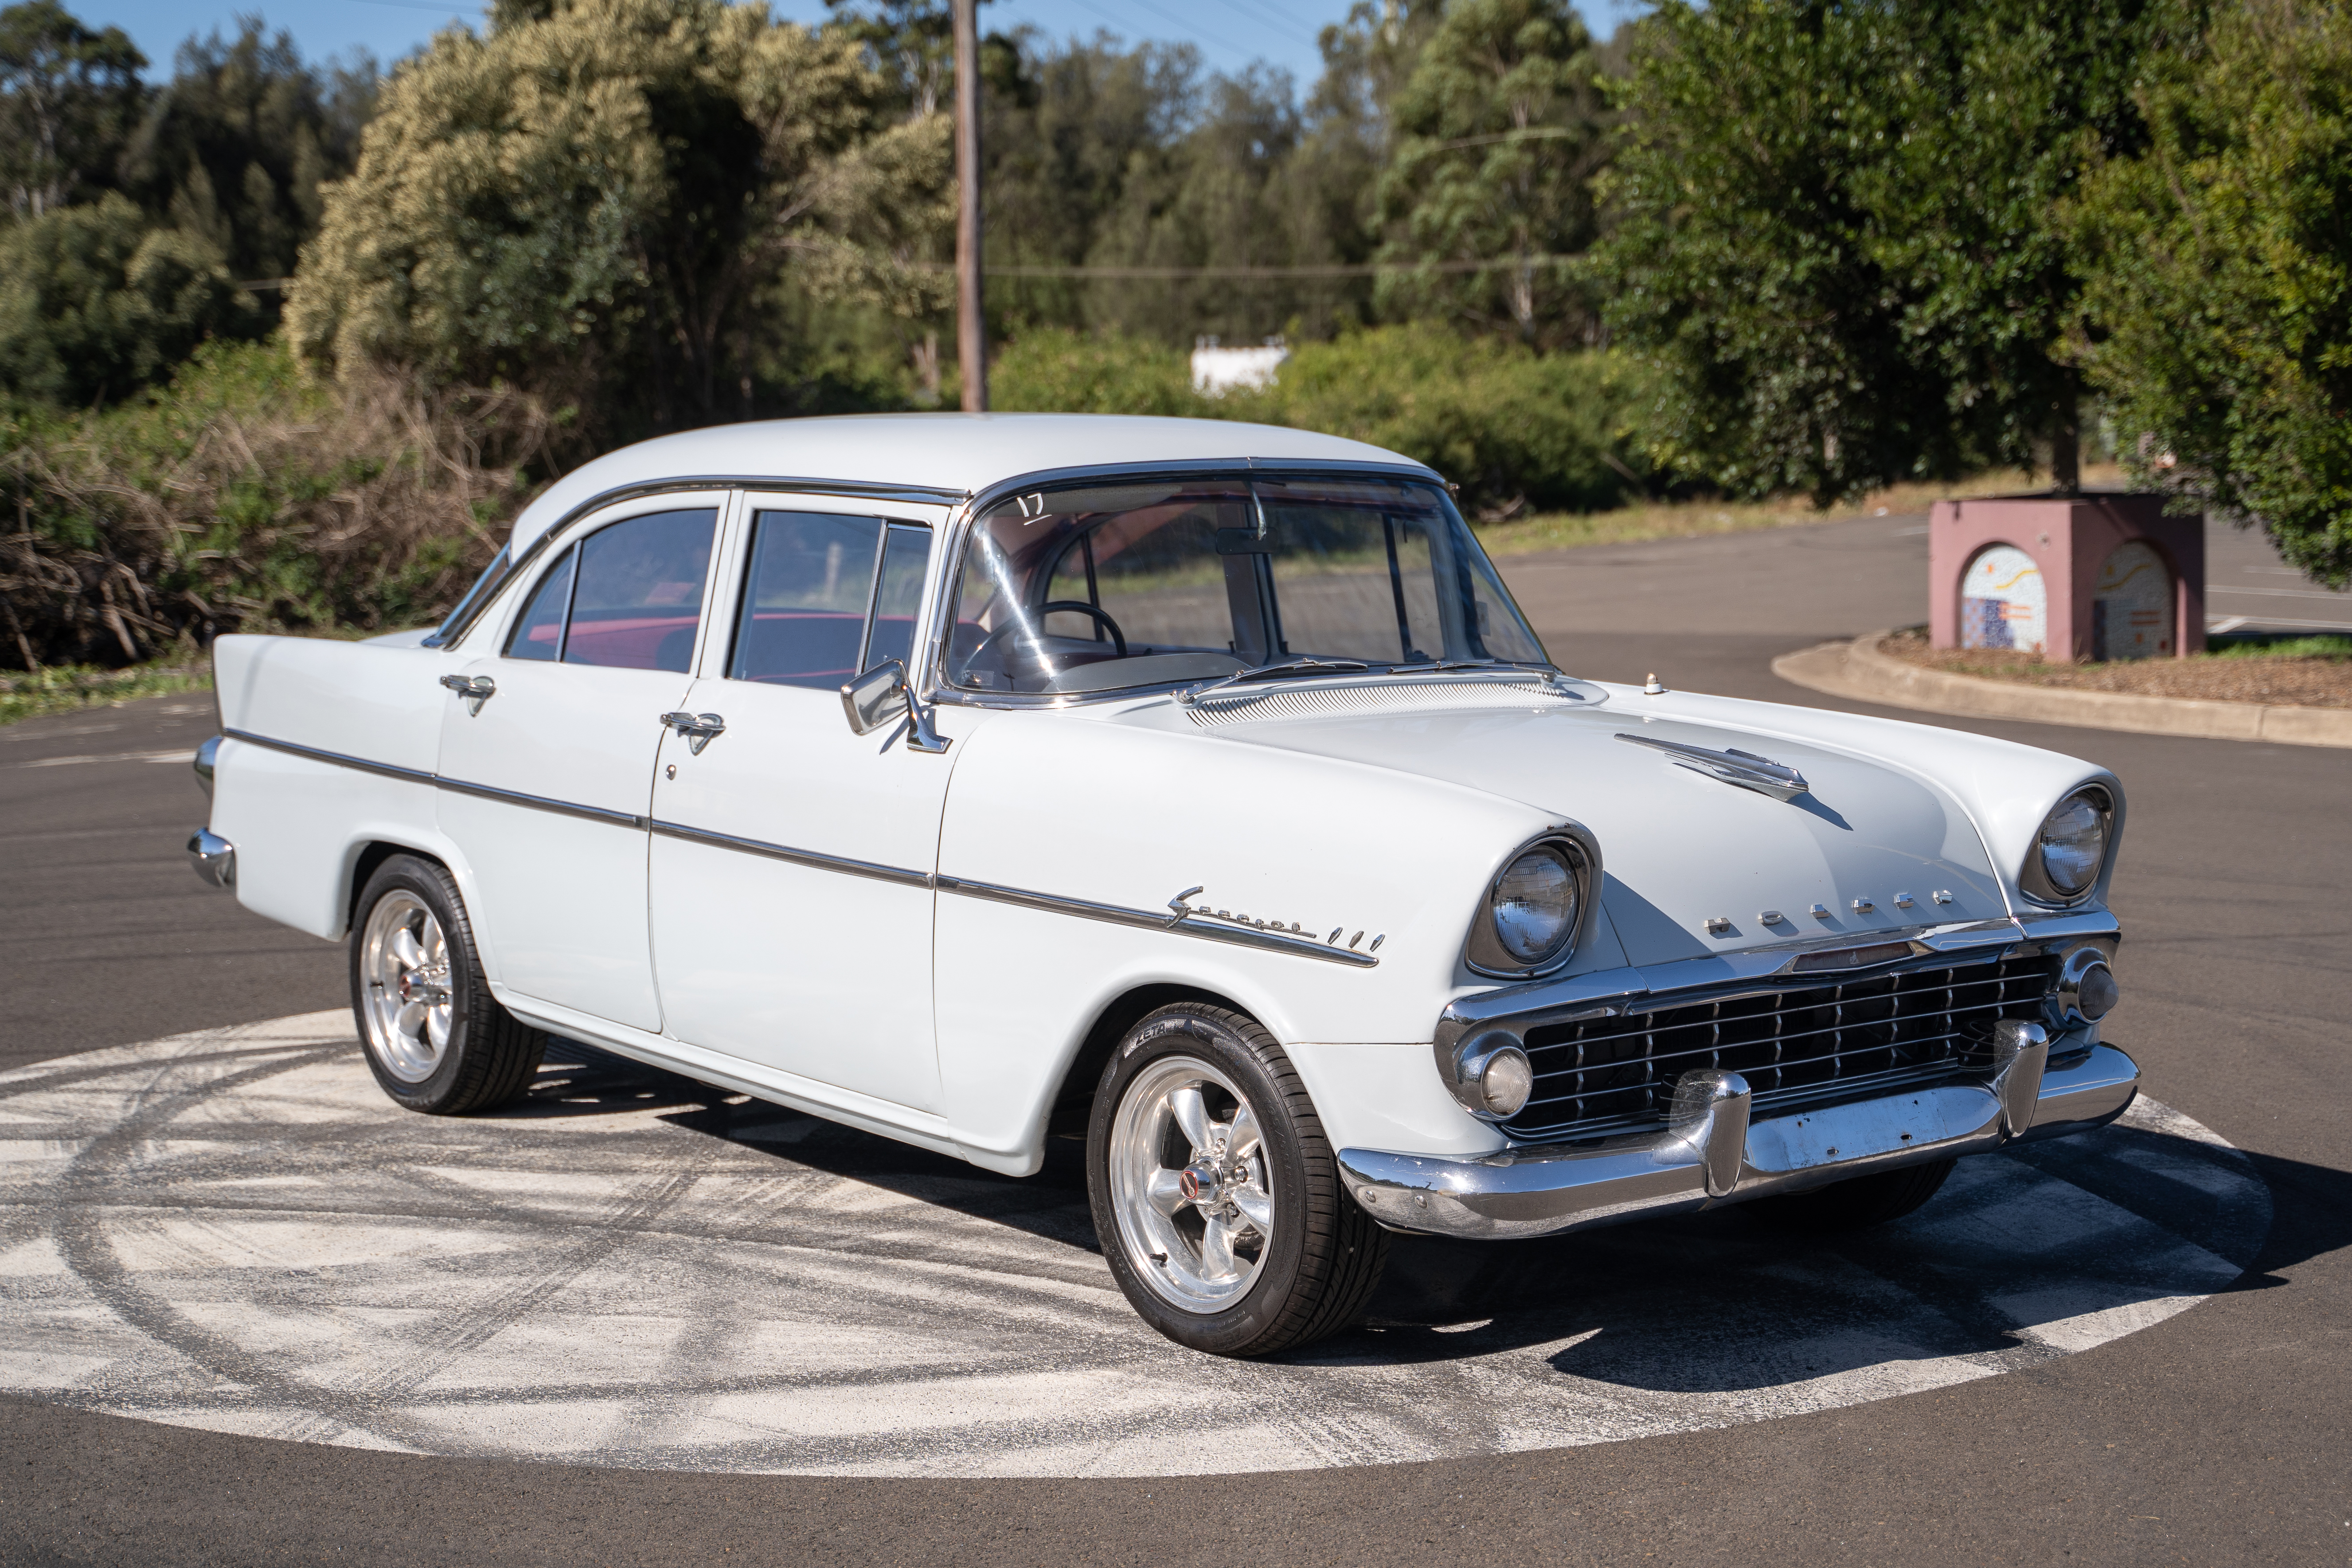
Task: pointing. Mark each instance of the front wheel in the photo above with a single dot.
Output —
(436, 1038)
(1216, 1196)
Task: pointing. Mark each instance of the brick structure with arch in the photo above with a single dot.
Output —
(2084, 578)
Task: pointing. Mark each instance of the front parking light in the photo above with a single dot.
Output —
(1492, 1076)
(2086, 990)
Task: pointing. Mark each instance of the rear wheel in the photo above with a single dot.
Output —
(1216, 1193)
(436, 1040)
(1856, 1202)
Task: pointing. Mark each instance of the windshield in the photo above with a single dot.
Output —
(1107, 586)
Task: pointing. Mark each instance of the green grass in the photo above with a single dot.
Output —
(2261, 646)
(62, 689)
(1641, 520)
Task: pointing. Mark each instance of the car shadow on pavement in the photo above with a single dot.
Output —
(2018, 1250)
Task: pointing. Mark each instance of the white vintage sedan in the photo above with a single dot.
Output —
(1192, 788)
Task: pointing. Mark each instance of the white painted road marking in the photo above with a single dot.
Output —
(234, 1230)
(172, 754)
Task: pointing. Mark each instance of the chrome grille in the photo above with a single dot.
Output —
(1794, 1043)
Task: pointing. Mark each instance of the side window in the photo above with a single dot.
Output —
(825, 597)
(640, 597)
(540, 633)
(904, 557)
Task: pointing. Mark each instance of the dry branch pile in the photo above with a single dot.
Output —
(247, 499)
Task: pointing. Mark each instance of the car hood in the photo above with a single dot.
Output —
(1680, 849)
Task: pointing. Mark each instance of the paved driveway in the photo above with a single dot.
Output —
(2217, 1433)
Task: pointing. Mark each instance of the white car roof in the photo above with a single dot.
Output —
(955, 453)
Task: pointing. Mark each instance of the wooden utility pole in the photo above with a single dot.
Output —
(971, 325)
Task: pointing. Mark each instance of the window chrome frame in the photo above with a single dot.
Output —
(469, 613)
(509, 605)
(743, 531)
(930, 678)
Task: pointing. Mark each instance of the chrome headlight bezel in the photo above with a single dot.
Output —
(1483, 952)
(2034, 880)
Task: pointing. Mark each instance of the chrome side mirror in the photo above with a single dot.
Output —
(876, 697)
(880, 697)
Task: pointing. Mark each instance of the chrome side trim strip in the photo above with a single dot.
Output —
(1150, 920)
(383, 770)
(809, 857)
(540, 802)
(415, 775)
(1206, 929)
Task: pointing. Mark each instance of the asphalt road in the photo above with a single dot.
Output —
(2217, 1434)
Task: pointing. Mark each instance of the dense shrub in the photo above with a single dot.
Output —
(1514, 429)
(2220, 268)
(1054, 370)
(243, 496)
(96, 303)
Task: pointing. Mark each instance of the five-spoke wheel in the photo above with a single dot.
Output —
(436, 1038)
(1187, 1172)
(1216, 1193)
(405, 1006)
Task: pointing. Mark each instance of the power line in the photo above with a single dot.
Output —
(1124, 24)
(1263, 20)
(1334, 269)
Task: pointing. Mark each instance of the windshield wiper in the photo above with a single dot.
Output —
(1303, 666)
(1439, 665)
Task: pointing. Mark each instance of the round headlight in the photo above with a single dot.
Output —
(1533, 906)
(2072, 844)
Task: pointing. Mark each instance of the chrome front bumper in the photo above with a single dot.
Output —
(1712, 1152)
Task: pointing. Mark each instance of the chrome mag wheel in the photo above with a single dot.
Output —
(1191, 1184)
(407, 1005)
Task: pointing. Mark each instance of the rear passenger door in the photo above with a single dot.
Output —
(791, 896)
(546, 765)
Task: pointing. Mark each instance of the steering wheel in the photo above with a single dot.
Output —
(1079, 607)
(1118, 638)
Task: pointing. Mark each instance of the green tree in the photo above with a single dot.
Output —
(237, 144)
(1835, 228)
(96, 303)
(595, 203)
(1496, 135)
(2220, 280)
(66, 95)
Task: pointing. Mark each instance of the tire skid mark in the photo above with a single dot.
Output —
(477, 1325)
(78, 1233)
(618, 1273)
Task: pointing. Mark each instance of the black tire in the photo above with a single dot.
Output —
(487, 1056)
(1313, 1277)
(1856, 1202)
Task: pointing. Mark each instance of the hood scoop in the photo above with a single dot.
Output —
(1329, 698)
(1744, 769)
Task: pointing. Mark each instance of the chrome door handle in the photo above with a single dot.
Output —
(475, 690)
(699, 728)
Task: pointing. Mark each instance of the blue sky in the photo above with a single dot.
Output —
(1230, 33)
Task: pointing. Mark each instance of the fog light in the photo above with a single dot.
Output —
(1493, 1077)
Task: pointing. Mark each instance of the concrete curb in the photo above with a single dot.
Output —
(1858, 670)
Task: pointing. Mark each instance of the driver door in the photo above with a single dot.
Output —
(790, 886)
